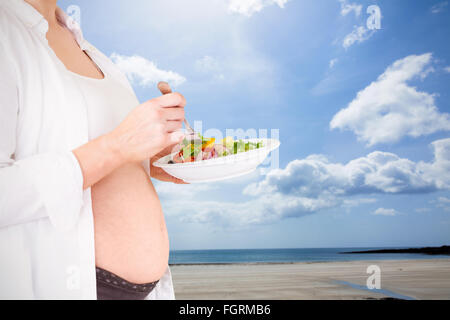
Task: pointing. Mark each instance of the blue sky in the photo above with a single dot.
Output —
(363, 114)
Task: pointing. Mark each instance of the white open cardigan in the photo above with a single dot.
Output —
(46, 223)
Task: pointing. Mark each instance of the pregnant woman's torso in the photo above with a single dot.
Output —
(130, 233)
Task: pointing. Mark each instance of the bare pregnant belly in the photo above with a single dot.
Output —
(130, 232)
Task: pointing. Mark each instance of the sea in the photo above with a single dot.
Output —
(227, 256)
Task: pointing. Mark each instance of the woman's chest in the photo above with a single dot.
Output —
(107, 103)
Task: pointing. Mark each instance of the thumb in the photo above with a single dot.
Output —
(164, 87)
(175, 137)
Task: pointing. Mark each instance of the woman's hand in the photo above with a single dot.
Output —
(149, 129)
(156, 172)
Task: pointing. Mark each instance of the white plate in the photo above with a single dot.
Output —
(219, 168)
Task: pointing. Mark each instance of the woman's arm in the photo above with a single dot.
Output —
(148, 129)
(41, 185)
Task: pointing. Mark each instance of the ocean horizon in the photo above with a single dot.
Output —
(288, 255)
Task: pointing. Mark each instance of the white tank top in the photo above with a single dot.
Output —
(108, 102)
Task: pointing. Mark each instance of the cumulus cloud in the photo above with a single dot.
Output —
(189, 203)
(358, 35)
(347, 7)
(143, 72)
(249, 7)
(306, 186)
(378, 172)
(385, 212)
(439, 7)
(389, 109)
(262, 210)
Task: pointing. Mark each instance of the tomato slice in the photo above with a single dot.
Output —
(178, 158)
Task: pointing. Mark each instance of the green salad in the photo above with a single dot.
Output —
(202, 148)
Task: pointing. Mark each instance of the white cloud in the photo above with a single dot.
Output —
(346, 8)
(249, 7)
(385, 212)
(439, 7)
(333, 63)
(378, 172)
(358, 35)
(267, 209)
(389, 109)
(314, 184)
(447, 69)
(240, 61)
(143, 72)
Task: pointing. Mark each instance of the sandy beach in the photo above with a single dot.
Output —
(414, 279)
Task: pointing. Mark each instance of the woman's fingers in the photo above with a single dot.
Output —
(174, 125)
(178, 181)
(171, 100)
(175, 113)
(151, 127)
(175, 137)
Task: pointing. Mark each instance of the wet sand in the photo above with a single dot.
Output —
(413, 279)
